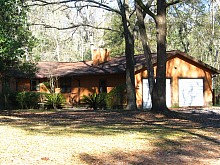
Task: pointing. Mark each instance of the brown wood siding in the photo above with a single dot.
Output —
(84, 85)
(178, 68)
(23, 85)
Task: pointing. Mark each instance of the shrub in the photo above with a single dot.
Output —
(28, 100)
(94, 100)
(54, 100)
(8, 99)
(116, 97)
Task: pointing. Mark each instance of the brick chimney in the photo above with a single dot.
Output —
(100, 55)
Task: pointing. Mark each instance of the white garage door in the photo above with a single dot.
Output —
(147, 98)
(191, 92)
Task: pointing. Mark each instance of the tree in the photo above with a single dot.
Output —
(188, 26)
(65, 30)
(114, 40)
(193, 27)
(16, 41)
(147, 51)
(125, 13)
(159, 89)
(129, 53)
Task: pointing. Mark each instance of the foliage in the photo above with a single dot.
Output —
(57, 45)
(94, 100)
(16, 41)
(116, 97)
(47, 84)
(7, 97)
(189, 22)
(115, 39)
(28, 100)
(52, 84)
(28, 69)
(54, 100)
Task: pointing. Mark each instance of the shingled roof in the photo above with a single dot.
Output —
(115, 65)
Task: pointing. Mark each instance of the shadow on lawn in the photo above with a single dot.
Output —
(158, 156)
(199, 149)
(85, 121)
(165, 152)
(183, 126)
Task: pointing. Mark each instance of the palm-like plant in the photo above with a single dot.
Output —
(54, 100)
(94, 100)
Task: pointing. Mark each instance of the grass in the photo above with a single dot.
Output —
(103, 137)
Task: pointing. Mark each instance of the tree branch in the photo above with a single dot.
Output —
(97, 4)
(146, 8)
(94, 6)
(72, 27)
(174, 2)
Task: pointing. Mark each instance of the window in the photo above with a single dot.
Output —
(35, 85)
(102, 86)
(65, 84)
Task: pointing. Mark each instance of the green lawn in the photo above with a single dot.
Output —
(104, 137)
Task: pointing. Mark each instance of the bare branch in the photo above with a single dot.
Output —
(72, 27)
(90, 4)
(146, 8)
(174, 2)
(45, 3)
(94, 6)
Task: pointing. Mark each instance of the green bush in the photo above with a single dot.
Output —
(54, 100)
(28, 100)
(116, 97)
(94, 100)
(8, 99)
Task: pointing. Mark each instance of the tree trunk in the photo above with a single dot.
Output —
(129, 52)
(146, 48)
(159, 90)
(130, 75)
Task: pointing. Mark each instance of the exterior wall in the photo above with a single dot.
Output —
(13, 84)
(84, 85)
(23, 85)
(178, 68)
(80, 85)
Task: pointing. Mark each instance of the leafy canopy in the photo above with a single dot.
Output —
(15, 38)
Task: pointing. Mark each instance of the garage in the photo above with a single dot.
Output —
(147, 98)
(191, 92)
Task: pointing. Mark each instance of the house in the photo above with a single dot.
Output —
(188, 83)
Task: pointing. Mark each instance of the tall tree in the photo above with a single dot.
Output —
(159, 90)
(147, 51)
(16, 41)
(129, 52)
(126, 12)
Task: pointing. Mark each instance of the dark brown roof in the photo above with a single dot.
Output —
(115, 65)
(60, 69)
